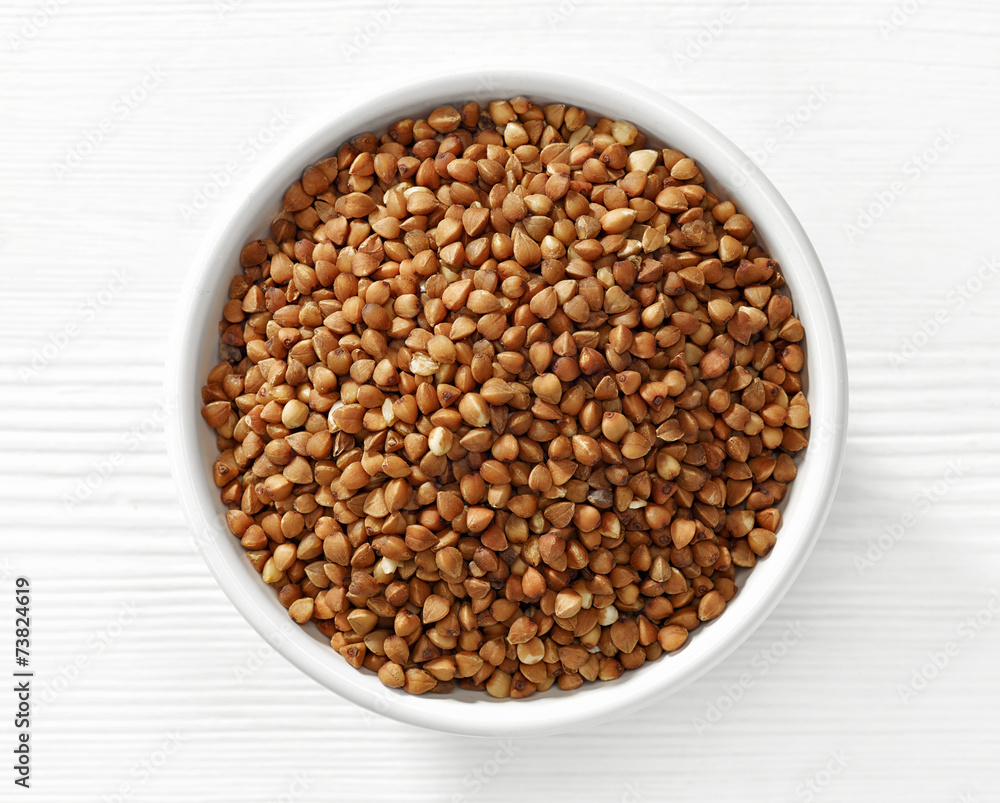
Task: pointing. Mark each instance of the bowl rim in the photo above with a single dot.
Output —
(546, 713)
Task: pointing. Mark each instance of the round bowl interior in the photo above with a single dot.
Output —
(194, 351)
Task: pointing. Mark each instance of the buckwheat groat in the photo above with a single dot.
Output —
(505, 399)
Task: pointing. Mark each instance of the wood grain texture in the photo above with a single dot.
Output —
(177, 699)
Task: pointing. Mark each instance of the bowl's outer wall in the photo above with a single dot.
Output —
(194, 351)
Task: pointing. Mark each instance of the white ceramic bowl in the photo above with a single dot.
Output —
(194, 351)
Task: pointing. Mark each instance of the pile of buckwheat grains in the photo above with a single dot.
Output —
(505, 399)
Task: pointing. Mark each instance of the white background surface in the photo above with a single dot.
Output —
(174, 697)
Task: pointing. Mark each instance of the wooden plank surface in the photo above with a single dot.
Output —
(846, 105)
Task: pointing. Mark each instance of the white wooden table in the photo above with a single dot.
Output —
(125, 125)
